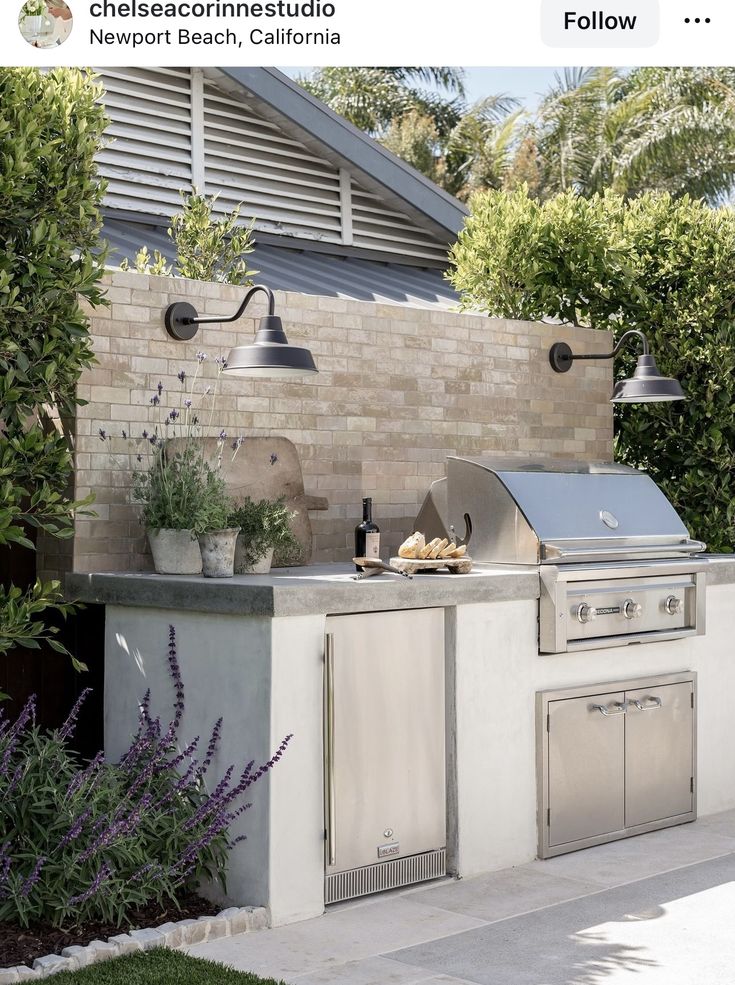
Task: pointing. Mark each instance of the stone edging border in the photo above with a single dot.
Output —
(227, 923)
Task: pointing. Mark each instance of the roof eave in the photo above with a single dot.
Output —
(318, 127)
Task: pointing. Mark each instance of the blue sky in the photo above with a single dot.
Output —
(524, 83)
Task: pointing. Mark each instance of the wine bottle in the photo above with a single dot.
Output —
(367, 533)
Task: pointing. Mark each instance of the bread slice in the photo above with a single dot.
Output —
(412, 545)
(459, 552)
(426, 552)
(447, 551)
(436, 551)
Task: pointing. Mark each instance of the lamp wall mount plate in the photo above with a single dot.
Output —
(180, 320)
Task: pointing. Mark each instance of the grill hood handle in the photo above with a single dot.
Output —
(467, 532)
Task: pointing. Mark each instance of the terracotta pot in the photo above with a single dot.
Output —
(175, 552)
(260, 567)
(218, 552)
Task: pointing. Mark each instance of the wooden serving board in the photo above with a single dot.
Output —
(413, 566)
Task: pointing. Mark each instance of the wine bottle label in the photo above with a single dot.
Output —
(372, 545)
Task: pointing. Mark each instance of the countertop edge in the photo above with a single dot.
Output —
(309, 597)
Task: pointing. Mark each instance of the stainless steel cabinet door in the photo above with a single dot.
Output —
(385, 764)
(658, 753)
(586, 767)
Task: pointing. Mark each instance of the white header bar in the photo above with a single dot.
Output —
(376, 32)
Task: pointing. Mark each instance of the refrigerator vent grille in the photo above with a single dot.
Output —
(385, 875)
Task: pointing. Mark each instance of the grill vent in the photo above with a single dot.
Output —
(385, 875)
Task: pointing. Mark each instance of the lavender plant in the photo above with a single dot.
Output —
(90, 842)
(177, 488)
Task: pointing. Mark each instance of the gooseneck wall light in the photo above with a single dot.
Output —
(269, 355)
(646, 386)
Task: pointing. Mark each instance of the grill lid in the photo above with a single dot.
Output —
(526, 512)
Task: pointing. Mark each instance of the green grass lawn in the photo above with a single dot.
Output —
(159, 967)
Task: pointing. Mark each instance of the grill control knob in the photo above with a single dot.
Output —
(586, 613)
(673, 605)
(632, 610)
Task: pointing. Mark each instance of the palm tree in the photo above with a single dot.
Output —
(660, 129)
(372, 98)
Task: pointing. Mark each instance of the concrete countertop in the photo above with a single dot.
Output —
(721, 569)
(326, 588)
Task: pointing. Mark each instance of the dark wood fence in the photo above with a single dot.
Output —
(49, 675)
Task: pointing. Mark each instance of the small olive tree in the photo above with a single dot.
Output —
(205, 248)
(662, 265)
(50, 130)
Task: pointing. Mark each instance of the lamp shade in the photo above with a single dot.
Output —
(270, 355)
(647, 385)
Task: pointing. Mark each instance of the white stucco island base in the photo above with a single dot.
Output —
(253, 653)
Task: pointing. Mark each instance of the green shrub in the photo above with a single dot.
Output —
(180, 491)
(206, 248)
(50, 131)
(658, 264)
(90, 842)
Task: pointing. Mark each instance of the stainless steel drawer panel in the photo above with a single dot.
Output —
(658, 753)
(586, 767)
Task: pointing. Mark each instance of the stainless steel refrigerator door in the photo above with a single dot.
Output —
(659, 753)
(385, 737)
(586, 767)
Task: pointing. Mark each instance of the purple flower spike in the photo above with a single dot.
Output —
(274, 459)
(103, 434)
(124, 433)
(104, 873)
(160, 388)
(155, 400)
(33, 878)
(187, 403)
(223, 435)
(173, 415)
(67, 729)
(139, 458)
(201, 357)
(181, 375)
(144, 435)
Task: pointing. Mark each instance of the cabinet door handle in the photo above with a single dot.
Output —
(604, 710)
(330, 805)
(657, 703)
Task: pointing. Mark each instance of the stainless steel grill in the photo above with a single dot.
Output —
(616, 563)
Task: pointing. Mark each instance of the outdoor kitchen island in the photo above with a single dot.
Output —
(252, 649)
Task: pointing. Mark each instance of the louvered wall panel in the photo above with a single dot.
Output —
(376, 227)
(148, 161)
(282, 185)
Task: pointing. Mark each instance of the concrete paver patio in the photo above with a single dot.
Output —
(658, 909)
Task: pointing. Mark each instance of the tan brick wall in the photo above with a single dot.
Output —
(399, 389)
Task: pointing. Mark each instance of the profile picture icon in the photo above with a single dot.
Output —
(45, 23)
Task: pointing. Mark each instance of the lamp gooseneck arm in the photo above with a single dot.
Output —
(241, 310)
(621, 342)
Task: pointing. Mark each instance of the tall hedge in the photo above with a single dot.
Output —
(662, 265)
(50, 131)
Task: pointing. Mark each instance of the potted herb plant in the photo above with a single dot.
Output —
(264, 526)
(31, 16)
(172, 494)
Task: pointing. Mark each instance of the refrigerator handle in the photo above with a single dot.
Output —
(329, 792)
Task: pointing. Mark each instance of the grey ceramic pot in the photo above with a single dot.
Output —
(218, 552)
(175, 552)
(260, 567)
